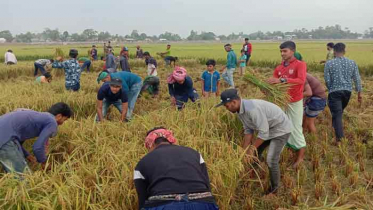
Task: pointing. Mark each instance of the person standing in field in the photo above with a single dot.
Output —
(123, 60)
(42, 64)
(248, 48)
(242, 62)
(180, 88)
(23, 124)
(46, 78)
(339, 74)
(330, 55)
(229, 69)
(110, 62)
(72, 70)
(210, 80)
(292, 71)
(139, 53)
(315, 101)
(171, 176)
(151, 63)
(93, 53)
(10, 58)
(270, 122)
(85, 63)
(131, 84)
(111, 93)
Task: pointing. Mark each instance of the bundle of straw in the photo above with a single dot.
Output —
(276, 94)
(59, 53)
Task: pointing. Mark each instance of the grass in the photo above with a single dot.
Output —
(92, 164)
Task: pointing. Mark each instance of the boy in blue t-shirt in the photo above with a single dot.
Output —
(210, 80)
(242, 62)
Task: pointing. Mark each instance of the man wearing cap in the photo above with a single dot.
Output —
(131, 84)
(72, 70)
(111, 93)
(151, 63)
(180, 88)
(229, 69)
(293, 72)
(171, 176)
(123, 60)
(272, 125)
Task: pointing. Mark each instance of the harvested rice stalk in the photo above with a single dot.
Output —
(276, 94)
(59, 53)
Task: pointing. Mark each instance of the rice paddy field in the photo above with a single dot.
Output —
(93, 163)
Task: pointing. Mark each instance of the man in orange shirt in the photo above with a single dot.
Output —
(292, 71)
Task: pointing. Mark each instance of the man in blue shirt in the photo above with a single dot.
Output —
(339, 74)
(111, 93)
(110, 64)
(72, 70)
(131, 84)
(210, 80)
(22, 124)
(180, 88)
(231, 65)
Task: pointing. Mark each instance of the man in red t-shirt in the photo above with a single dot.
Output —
(247, 48)
(292, 71)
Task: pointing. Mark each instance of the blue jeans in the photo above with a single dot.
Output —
(86, 64)
(228, 76)
(337, 102)
(73, 88)
(181, 99)
(12, 158)
(133, 93)
(39, 66)
(106, 104)
(185, 205)
(95, 57)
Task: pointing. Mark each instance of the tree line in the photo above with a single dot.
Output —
(328, 32)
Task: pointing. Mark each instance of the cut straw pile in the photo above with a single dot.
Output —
(276, 94)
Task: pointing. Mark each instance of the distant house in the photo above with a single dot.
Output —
(130, 40)
(2, 40)
(163, 40)
(290, 37)
(277, 38)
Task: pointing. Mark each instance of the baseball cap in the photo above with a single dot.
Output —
(125, 49)
(116, 82)
(228, 96)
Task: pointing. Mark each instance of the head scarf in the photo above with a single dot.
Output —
(102, 76)
(167, 134)
(179, 74)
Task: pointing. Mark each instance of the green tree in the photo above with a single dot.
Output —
(6, 35)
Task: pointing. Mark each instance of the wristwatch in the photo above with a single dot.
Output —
(283, 80)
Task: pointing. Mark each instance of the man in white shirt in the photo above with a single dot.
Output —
(10, 58)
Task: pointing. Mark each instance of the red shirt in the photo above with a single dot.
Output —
(248, 48)
(295, 73)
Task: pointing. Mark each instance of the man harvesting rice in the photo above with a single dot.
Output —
(180, 88)
(23, 124)
(293, 71)
(172, 177)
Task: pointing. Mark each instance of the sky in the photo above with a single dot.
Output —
(154, 17)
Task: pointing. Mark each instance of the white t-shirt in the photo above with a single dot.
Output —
(150, 68)
(10, 57)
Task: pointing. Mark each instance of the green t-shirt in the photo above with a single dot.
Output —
(38, 80)
(168, 52)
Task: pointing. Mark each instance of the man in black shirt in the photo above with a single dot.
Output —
(171, 176)
(111, 93)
